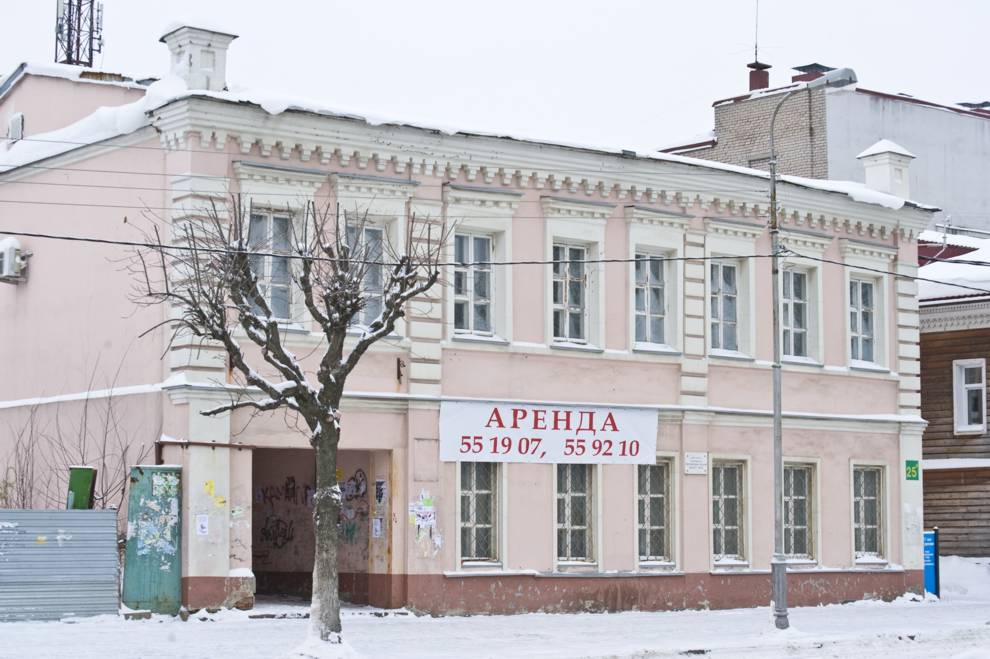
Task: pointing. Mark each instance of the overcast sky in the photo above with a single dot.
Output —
(611, 72)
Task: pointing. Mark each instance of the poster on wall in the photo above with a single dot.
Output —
(513, 432)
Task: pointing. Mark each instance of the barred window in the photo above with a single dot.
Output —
(479, 511)
(473, 284)
(795, 313)
(570, 287)
(797, 510)
(867, 512)
(727, 514)
(574, 512)
(723, 298)
(862, 317)
(271, 234)
(653, 501)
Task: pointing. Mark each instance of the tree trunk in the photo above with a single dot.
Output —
(325, 611)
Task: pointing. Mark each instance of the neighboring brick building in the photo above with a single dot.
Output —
(820, 132)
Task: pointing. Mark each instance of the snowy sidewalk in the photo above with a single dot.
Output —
(957, 626)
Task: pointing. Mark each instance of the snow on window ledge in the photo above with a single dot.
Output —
(729, 564)
(859, 365)
(869, 561)
(658, 566)
(729, 354)
(469, 337)
(557, 344)
(656, 348)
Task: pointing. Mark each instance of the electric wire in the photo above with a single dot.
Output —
(530, 262)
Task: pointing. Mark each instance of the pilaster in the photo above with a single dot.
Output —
(694, 366)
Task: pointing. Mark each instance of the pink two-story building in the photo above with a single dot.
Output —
(632, 383)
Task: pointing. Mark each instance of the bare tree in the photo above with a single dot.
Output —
(224, 281)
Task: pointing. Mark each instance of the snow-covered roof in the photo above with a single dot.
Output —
(197, 24)
(964, 269)
(71, 72)
(885, 146)
(109, 122)
(953, 239)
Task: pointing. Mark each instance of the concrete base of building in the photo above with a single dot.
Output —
(440, 595)
(437, 594)
(218, 592)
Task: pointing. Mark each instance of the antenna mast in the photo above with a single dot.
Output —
(78, 31)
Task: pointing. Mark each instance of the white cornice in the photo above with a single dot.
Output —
(483, 201)
(557, 207)
(733, 229)
(802, 242)
(869, 251)
(955, 317)
(656, 217)
(352, 142)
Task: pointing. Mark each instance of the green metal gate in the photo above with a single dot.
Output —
(152, 563)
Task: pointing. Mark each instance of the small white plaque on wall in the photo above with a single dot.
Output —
(695, 463)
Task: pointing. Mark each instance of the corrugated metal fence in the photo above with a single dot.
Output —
(57, 563)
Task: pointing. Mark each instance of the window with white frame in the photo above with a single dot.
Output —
(795, 313)
(473, 284)
(868, 512)
(862, 320)
(575, 519)
(798, 481)
(650, 300)
(271, 234)
(727, 511)
(366, 243)
(479, 511)
(653, 512)
(723, 305)
(570, 293)
(969, 395)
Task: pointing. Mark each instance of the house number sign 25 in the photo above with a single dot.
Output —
(510, 432)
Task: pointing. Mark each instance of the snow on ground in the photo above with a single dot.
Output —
(956, 627)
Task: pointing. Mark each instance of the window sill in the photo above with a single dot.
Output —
(871, 563)
(576, 567)
(729, 565)
(801, 563)
(801, 361)
(656, 349)
(577, 347)
(857, 365)
(490, 572)
(479, 338)
(969, 431)
(657, 566)
(729, 354)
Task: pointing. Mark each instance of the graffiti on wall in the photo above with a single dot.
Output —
(277, 531)
(354, 508)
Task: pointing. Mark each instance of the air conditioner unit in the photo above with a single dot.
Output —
(11, 261)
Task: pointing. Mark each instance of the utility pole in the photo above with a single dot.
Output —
(778, 564)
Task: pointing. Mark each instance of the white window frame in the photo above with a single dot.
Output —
(565, 255)
(361, 253)
(501, 533)
(740, 560)
(862, 261)
(883, 541)
(788, 316)
(856, 308)
(732, 242)
(483, 212)
(473, 266)
(960, 390)
(272, 190)
(580, 224)
(658, 234)
(717, 297)
(266, 244)
(594, 534)
(814, 246)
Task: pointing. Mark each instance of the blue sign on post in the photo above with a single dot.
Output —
(931, 562)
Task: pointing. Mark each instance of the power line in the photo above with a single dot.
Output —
(137, 244)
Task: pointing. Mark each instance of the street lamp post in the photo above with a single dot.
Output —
(778, 564)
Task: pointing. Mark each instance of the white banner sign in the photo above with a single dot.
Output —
(512, 432)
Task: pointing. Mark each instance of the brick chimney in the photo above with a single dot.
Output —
(809, 72)
(886, 166)
(759, 75)
(199, 55)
